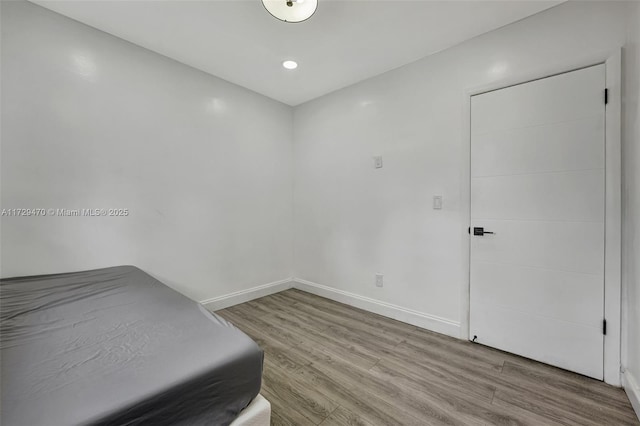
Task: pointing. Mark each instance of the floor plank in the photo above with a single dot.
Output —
(343, 417)
(331, 364)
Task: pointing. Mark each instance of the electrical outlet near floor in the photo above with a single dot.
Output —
(379, 280)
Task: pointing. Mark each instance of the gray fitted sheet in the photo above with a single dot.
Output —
(115, 346)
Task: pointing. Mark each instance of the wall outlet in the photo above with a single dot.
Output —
(379, 280)
(377, 162)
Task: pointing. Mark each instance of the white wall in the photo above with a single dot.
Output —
(91, 121)
(204, 166)
(352, 220)
(631, 208)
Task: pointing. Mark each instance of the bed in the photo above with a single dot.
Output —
(115, 346)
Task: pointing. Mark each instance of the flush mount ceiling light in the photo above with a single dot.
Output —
(290, 65)
(291, 10)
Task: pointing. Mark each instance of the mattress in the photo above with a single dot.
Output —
(115, 346)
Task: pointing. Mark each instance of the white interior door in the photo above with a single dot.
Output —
(538, 183)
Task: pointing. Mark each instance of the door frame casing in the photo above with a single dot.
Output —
(613, 194)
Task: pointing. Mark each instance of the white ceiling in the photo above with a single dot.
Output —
(346, 41)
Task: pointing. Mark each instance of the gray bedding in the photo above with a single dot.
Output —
(115, 346)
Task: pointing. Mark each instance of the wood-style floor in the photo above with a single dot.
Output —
(330, 364)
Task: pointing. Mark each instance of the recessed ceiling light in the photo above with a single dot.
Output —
(290, 65)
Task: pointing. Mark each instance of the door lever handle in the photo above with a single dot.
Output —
(479, 231)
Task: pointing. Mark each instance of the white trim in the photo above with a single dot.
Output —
(247, 295)
(257, 413)
(419, 319)
(613, 221)
(632, 388)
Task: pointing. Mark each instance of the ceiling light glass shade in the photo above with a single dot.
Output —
(291, 10)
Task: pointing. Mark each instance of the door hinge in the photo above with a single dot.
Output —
(606, 96)
(604, 327)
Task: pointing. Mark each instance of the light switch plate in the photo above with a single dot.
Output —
(437, 202)
(377, 162)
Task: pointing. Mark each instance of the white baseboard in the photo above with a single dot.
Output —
(632, 387)
(221, 302)
(419, 319)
